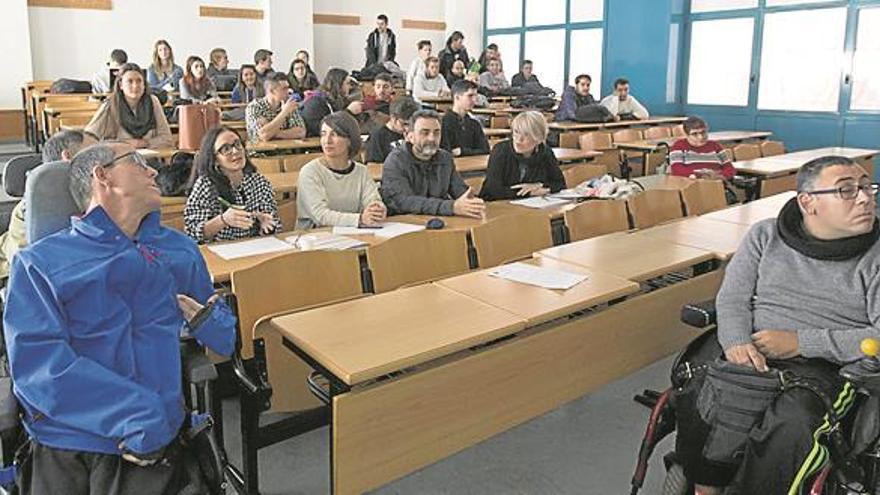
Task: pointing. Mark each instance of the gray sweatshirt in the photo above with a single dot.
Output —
(832, 305)
(410, 185)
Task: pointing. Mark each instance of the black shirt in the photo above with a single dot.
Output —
(508, 168)
(379, 144)
(463, 132)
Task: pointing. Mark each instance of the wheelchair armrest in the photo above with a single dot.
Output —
(699, 315)
(744, 182)
(197, 367)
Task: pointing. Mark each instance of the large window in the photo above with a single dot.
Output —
(508, 45)
(585, 57)
(586, 10)
(698, 6)
(801, 60)
(544, 49)
(866, 62)
(720, 62)
(545, 12)
(503, 14)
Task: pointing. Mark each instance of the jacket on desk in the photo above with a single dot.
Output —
(410, 185)
(507, 168)
(92, 326)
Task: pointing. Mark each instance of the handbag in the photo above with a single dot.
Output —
(194, 122)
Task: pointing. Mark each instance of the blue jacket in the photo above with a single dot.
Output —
(570, 102)
(157, 82)
(92, 327)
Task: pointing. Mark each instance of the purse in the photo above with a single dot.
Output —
(194, 122)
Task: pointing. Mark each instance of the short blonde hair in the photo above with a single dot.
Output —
(532, 124)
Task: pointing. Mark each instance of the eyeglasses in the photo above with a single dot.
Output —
(228, 148)
(136, 157)
(698, 133)
(850, 192)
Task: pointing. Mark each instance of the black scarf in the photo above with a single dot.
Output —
(137, 125)
(790, 225)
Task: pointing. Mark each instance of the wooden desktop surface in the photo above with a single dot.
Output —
(662, 181)
(720, 238)
(806, 155)
(578, 126)
(720, 137)
(536, 304)
(366, 338)
(752, 212)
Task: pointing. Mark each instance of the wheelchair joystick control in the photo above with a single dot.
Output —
(866, 371)
(870, 347)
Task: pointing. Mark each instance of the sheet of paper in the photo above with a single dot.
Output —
(539, 276)
(540, 202)
(387, 230)
(567, 194)
(325, 241)
(252, 247)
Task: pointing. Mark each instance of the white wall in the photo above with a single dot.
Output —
(76, 43)
(290, 29)
(15, 36)
(466, 16)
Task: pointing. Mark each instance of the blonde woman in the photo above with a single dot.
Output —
(163, 73)
(523, 165)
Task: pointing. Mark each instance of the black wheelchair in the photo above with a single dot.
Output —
(854, 465)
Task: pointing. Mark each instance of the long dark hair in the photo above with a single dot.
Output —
(332, 88)
(252, 67)
(206, 163)
(202, 84)
(308, 81)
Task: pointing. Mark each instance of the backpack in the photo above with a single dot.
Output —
(536, 102)
(68, 86)
(174, 178)
(593, 113)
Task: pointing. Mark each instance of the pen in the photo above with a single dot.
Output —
(227, 204)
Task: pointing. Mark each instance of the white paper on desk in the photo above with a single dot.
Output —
(387, 230)
(324, 241)
(567, 194)
(253, 247)
(547, 278)
(540, 202)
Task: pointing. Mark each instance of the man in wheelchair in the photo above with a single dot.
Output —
(798, 297)
(92, 326)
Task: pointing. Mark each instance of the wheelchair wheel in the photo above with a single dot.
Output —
(676, 483)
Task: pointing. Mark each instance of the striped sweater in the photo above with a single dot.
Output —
(685, 160)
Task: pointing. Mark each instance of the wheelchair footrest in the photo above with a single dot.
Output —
(7, 476)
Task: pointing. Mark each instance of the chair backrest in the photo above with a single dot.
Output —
(653, 161)
(511, 237)
(595, 218)
(746, 151)
(287, 212)
(475, 183)
(50, 204)
(15, 173)
(772, 148)
(499, 122)
(654, 206)
(703, 196)
(575, 174)
(678, 131)
(595, 141)
(627, 135)
(268, 165)
(292, 163)
(569, 140)
(417, 257)
(657, 132)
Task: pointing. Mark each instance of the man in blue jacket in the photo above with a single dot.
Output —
(575, 97)
(92, 324)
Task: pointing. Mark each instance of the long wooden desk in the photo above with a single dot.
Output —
(752, 212)
(583, 126)
(309, 143)
(720, 238)
(648, 145)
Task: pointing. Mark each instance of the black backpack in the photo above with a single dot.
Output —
(68, 86)
(536, 102)
(593, 113)
(174, 178)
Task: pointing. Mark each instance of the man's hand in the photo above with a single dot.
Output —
(289, 107)
(776, 344)
(142, 460)
(355, 107)
(188, 306)
(746, 355)
(456, 151)
(531, 189)
(466, 206)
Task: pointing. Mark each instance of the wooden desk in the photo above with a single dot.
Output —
(537, 305)
(579, 126)
(570, 155)
(807, 155)
(624, 256)
(770, 166)
(752, 212)
(490, 133)
(309, 143)
(436, 99)
(720, 238)
(648, 145)
(363, 339)
(662, 181)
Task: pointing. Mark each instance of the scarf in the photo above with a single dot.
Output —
(790, 225)
(139, 124)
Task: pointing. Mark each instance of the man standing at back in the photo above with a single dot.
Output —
(381, 44)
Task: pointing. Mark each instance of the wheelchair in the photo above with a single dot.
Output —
(854, 460)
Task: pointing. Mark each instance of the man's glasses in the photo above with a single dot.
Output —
(698, 133)
(850, 192)
(228, 148)
(136, 157)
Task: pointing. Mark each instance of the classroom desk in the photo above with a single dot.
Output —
(648, 145)
(807, 155)
(619, 254)
(584, 126)
(753, 211)
(496, 133)
(538, 305)
(663, 181)
(720, 238)
(309, 143)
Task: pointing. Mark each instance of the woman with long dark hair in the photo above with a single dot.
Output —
(229, 198)
(301, 79)
(196, 85)
(332, 96)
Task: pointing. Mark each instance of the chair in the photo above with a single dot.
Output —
(475, 183)
(657, 132)
(268, 165)
(417, 257)
(287, 212)
(50, 205)
(15, 173)
(499, 122)
(601, 141)
(703, 196)
(653, 160)
(293, 163)
(575, 174)
(746, 151)
(595, 218)
(568, 139)
(511, 237)
(654, 206)
(772, 148)
(626, 135)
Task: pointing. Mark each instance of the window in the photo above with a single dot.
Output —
(716, 5)
(545, 49)
(672, 63)
(866, 70)
(801, 60)
(720, 62)
(503, 14)
(545, 12)
(777, 3)
(508, 45)
(585, 57)
(586, 10)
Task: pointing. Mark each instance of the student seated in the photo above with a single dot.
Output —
(332, 96)
(462, 134)
(196, 86)
(229, 198)
(131, 113)
(523, 165)
(300, 79)
(383, 93)
(454, 50)
(490, 53)
(798, 296)
(163, 73)
(418, 64)
(93, 320)
(622, 105)
(381, 43)
(274, 116)
(247, 89)
(335, 189)
(420, 178)
(458, 73)
(304, 56)
(101, 80)
(263, 63)
(493, 79)
(218, 70)
(61, 146)
(525, 77)
(384, 138)
(574, 97)
(697, 157)
(430, 82)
